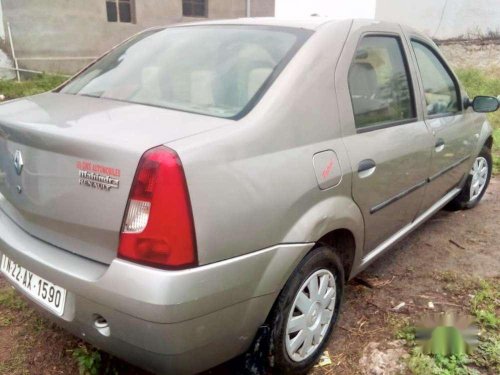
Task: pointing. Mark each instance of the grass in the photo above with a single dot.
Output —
(35, 85)
(91, 361)
(421, 364)
(485, 303)
(484, 307)
(16, 364)
(11, 300)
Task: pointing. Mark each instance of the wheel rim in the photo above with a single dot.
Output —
(479, 173)
(311, 315)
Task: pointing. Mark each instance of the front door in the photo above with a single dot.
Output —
(453, 130)
(389, 144)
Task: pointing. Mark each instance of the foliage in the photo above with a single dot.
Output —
(93, 362)
(88, 360)
(487, 354)
(422, 364)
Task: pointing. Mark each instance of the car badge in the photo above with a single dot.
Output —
(98, 176)
(18, 161)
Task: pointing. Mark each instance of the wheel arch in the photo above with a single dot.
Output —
(343, 242)
(336, 222)
(489, 142)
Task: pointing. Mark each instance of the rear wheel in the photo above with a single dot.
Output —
(476, 184)
(304, 315)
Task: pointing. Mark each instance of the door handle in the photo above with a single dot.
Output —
(439, 145)
(366, 168)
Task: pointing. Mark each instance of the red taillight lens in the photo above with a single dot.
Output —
(158, 225)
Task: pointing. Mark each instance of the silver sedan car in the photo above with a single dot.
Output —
(204, 191)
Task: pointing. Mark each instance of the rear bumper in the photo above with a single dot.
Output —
(183, 321)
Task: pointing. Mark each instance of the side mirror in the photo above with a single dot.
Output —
(483, 104)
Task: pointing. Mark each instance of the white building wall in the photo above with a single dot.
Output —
(62, 36)
(443, 19)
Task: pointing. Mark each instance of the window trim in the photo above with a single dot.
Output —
(404, 55)
(447, 69)
(204, 16)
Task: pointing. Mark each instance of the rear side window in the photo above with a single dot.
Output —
(214, 70)
(379, 83)
(441, 91)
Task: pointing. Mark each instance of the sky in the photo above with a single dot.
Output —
(330, 8)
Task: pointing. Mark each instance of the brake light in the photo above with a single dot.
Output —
(158, 226)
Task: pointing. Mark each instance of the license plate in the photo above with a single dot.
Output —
(48, 294)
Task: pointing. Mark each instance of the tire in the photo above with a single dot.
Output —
(270, 346)
(466, 199)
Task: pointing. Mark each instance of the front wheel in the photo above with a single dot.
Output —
(477, 182)
(304, 315)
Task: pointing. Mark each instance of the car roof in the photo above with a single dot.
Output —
(311, 23)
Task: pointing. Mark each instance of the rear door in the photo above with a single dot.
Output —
(453, 131)
(388, 143)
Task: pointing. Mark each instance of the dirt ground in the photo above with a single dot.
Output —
(414, 272)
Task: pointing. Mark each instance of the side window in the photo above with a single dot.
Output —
(379, 83)
(441, 92)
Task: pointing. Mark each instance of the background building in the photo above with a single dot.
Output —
(444, 19)
(64, 35)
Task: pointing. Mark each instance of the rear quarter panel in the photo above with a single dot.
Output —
(252, 183)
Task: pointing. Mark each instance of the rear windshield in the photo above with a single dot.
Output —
(214, 70)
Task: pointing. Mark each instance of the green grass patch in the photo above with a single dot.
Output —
(496, 149)
(5, 321)
(11, 300)
(421, 364)
(484, 307)
(487, 354)
(35, 85)
(478, 82)
(485, 303)
(91, 361)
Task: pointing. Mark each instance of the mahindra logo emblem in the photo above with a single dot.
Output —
(18, 161)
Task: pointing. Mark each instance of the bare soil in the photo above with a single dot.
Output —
(464, 242)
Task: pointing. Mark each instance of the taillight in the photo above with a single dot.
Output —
(158, 225)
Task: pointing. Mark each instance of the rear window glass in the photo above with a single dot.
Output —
(212, 70)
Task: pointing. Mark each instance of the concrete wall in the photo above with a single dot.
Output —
(64, 35)
(484, 56)
(443, 19)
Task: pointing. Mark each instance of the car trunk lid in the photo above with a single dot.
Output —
(67, 163)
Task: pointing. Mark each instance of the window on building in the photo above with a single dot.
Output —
(441, 91)
(120, 10)
(379, 83)
(194, 8)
